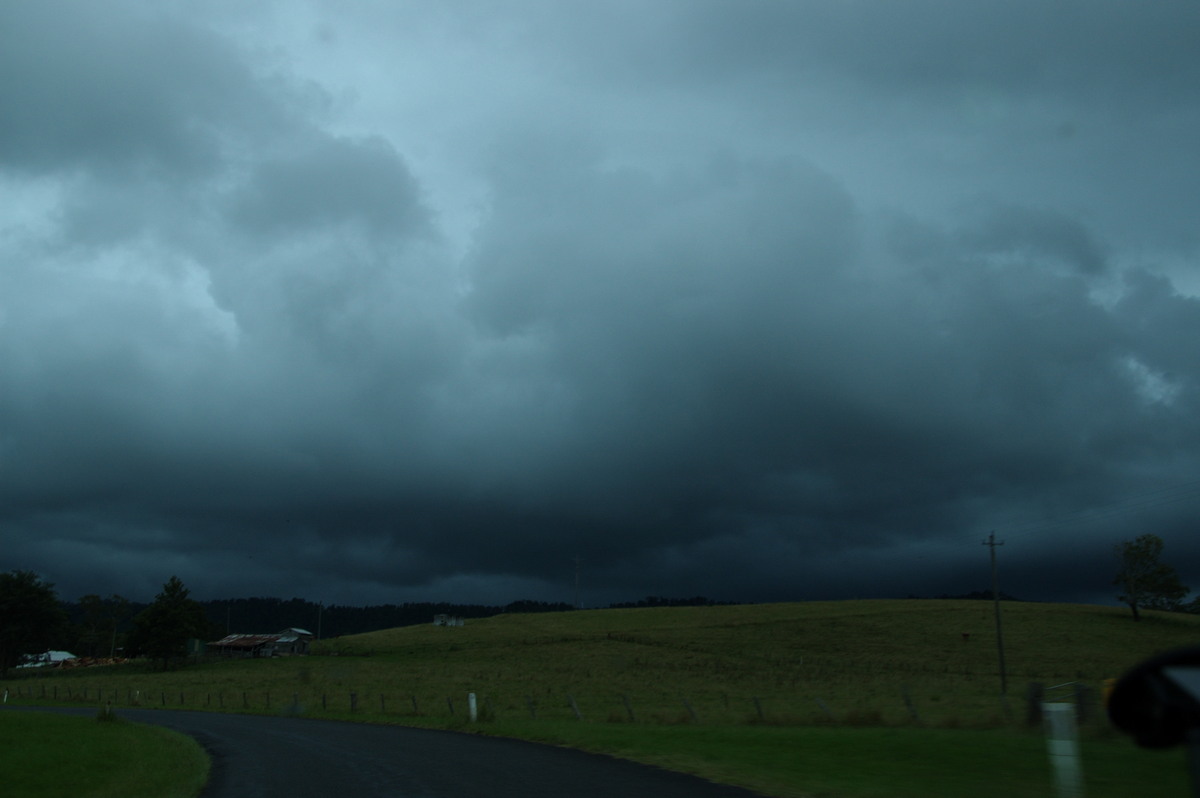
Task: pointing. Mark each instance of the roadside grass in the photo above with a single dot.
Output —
(52, 756)
(801, 762)
(923, 672)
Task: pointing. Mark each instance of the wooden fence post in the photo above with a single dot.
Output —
(908, 702)
(1034, 695)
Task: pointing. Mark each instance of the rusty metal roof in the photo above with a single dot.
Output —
(246, 641)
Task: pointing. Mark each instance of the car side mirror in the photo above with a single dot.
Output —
(1158, 701)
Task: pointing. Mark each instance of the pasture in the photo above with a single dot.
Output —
(735, 693)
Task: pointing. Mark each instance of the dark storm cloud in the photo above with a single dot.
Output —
(741, 373)
(832, 294)
(119, 87)
(932, 46)
(336, 181)
(1039, 235)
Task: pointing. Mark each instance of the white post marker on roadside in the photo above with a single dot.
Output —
(472, 707)
(1063, 745)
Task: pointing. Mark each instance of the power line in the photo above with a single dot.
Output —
(1160, 497)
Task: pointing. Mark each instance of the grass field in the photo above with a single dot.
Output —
(655, 684)
(56, 756)
(874, 762)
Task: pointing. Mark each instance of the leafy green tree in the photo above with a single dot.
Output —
(30, 617)
(97, 630)
(1144, 581)
(162, 630)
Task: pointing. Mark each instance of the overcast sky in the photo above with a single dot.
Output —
(408, 301)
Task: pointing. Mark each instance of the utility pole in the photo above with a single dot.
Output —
(992, 544)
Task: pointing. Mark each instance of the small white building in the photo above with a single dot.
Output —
(46, 659)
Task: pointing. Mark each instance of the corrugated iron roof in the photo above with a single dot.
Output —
(245, 641)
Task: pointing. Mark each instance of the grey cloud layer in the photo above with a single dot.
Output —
(239, 342)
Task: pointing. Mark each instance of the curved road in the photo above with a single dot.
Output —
(256, 756)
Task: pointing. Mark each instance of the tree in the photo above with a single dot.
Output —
(1144, 581)
(30, 617)
(162, 630)
(97, 631)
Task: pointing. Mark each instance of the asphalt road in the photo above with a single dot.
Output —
(257, 756)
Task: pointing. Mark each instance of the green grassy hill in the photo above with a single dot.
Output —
(859, 659)
(725, 691)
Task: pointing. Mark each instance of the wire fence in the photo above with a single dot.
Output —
(903, 708)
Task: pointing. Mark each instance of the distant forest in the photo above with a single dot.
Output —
(93, 631)
(974, 595)
(272, 615)
(268, 615)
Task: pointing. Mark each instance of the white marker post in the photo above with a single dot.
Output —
(472, 708)
(1063, 745)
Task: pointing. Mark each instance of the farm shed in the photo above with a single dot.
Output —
(285, 643)
(293, 641)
